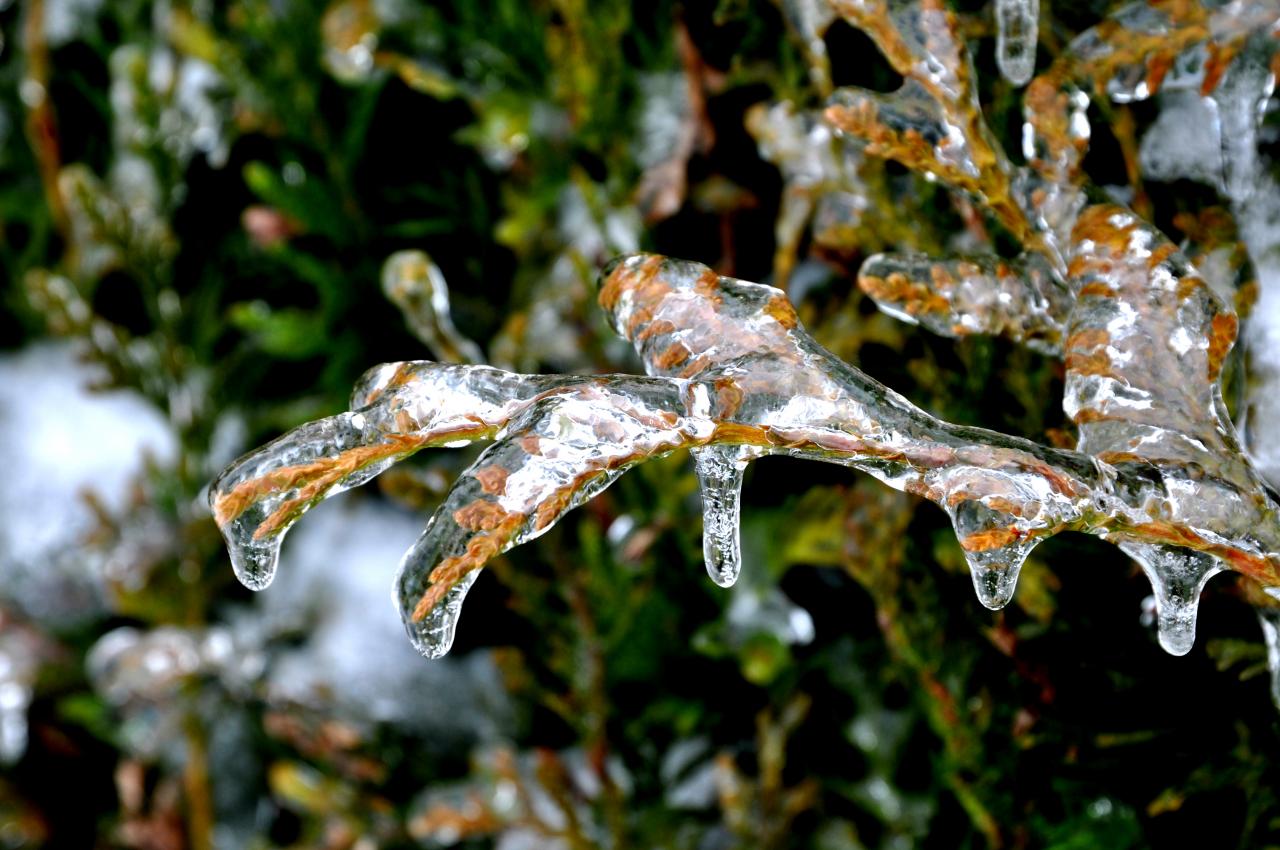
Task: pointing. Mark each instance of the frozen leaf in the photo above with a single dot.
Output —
(1021, 299)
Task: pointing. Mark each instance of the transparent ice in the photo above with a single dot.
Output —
(720, 470)
(1017, 26)
(412, 282)
(1269, 619)
(732, 375)
(1144, 333)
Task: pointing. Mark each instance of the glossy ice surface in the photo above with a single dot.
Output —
(1017, 22)
(732, 375)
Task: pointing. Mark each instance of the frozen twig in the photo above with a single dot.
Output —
(933, 123)
(1021, 299)
(730, 366)
(1144, 337)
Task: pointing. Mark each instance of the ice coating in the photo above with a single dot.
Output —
(720, 470)
(809, 20)
(1241, 99)
(733, 375)
(1019, 299)
(1017, 24)
(933, 123)
(561, 448)
(1144, 337)
(401, 408)
(1177, 576)
(412, 282)
(1137, 50)
(1218, 138)
(994, 569)
(1146, 342)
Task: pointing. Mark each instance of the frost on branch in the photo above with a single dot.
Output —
(732, 376)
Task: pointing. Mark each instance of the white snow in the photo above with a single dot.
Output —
(334, 577)
(58, 441)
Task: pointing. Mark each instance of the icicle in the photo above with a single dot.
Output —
(432, 635)
(1017, 29)
(254, 561)
(994, 550)
(1269, 619)
(995, 575)
(254, 530)
(1177, 576)
(1241, 99)
(431, 625)
(720, 470)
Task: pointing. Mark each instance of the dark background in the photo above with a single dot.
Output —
(1057, 723)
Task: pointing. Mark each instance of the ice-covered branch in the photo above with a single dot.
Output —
(733, 376)
(1019, 299)
(822, 186)
(933, 123)
(1144, 337)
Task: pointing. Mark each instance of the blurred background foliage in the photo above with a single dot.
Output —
(196, 201)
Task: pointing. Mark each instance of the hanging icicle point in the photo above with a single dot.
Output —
(1177, 576)
(720, 470)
